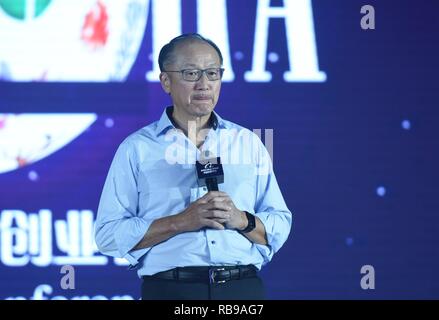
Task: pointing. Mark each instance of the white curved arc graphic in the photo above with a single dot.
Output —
(27, 138)
(87, 40)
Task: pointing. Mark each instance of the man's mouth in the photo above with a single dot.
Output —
(202, 97)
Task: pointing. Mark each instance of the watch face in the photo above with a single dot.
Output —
(251, 222)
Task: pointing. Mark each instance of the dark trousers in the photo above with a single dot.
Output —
(242, 289)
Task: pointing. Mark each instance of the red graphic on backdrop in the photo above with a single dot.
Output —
(95, 29)
(21, 161)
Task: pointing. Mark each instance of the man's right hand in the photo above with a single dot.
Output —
(205, 213)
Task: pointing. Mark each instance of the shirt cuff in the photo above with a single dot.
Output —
(134, 257)
(129, 233)
(268, 225)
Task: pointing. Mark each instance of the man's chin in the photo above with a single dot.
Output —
(200, 110)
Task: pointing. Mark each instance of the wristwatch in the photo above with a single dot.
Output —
(251, 223)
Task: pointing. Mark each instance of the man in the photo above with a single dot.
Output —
(186, 242)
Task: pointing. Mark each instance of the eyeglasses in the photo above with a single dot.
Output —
(193, 75)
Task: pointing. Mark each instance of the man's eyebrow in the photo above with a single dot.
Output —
(191, 65)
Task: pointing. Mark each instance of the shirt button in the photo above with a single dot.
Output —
(213, 242)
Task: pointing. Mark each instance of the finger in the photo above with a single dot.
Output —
(224, 198)
(220, 199)
(203, 199)
(207, 198)
(212, 194)
(222, 221)
(217, 205)
(213, 224)
(217, 214)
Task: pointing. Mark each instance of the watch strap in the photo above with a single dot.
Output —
(251, 222)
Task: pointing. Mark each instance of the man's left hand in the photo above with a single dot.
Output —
(237, 219)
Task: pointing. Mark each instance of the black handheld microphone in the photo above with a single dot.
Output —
(210, 173)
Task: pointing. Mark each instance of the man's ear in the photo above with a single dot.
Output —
(165, 82)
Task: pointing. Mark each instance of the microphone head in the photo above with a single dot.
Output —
(209, 168)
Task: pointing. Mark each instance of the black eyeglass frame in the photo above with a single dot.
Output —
(221, 71)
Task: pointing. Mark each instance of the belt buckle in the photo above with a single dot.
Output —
(212, 273)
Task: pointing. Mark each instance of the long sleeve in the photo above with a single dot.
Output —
(118, 228)
(270, 206)
(143, 185)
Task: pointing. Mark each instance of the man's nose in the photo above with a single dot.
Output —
(203, 82)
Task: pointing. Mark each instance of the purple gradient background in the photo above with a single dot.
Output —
(334, 144)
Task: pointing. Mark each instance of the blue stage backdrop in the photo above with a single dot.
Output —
(354, 114)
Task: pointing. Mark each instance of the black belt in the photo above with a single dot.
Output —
(207, 274)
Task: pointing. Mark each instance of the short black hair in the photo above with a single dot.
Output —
(168, 49)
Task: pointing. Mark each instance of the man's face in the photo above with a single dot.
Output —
(193, 99)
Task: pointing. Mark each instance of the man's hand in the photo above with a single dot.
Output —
(236, 218)
(212, 211)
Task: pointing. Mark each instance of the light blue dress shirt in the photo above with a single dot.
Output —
(153, 175)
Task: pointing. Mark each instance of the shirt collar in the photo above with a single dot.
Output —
(166, 121)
